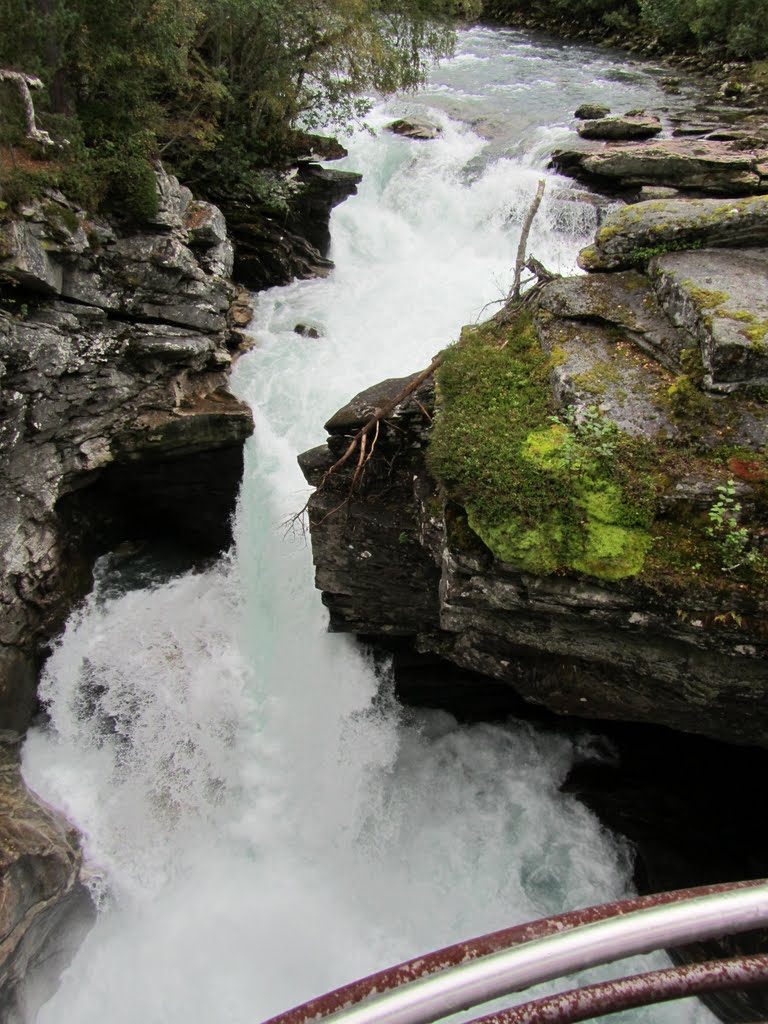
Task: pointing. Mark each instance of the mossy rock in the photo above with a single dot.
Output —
(611, 552)
(719, 296)
(535, 491)
(635, 234)
(548, 493)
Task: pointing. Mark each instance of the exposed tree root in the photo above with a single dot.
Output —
(359, 442)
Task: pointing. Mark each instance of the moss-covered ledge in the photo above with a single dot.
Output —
(547, 489)
(557, 488)
(580, 511)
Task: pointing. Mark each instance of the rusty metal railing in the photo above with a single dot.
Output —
(469, 973)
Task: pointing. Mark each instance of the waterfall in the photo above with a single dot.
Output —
(262, 821)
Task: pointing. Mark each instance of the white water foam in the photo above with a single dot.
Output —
(267, 824)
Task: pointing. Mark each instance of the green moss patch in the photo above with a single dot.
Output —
(705, 298)
(756, 332)
(544, 494)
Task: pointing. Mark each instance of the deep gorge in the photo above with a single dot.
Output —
(235, 768)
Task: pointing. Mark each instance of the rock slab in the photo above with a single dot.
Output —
(44, 907)
(634, 233)
(631, 126)
(720, 296)
(724, 168)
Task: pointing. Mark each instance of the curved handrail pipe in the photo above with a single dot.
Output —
(591, 1001)
(427, 988)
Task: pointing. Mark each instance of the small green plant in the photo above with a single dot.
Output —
(728, 618)
(591, 436)
(642, 255)
(732, 538)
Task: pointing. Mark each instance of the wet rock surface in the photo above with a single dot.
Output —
(274, 248)
(114, 354)
(630, 126)
(591, 112)
(735, 167)
(360, 541)
(415, 128)
(44, 907)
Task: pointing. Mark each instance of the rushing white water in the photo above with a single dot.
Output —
(264, 822)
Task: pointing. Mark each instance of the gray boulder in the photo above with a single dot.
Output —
(639, 126)
(626, 300)
(720, 296)
(591, 111)
(415, 128)
(632, 234)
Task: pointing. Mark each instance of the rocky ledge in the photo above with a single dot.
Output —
(116, 341)
(273, 247)
(582, 515)
(697, 160)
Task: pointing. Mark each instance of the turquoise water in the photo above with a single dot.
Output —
(262, 822)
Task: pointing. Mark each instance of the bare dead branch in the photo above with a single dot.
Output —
(24, 83)
(514, 294)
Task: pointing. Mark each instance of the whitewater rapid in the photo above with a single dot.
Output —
(261, 821)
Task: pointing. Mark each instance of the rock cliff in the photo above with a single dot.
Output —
(115, 345)
(585, 519)
(274, 248)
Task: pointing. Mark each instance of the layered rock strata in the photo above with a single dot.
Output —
(116, 341)
(115, 348)
(656, 637)
(732, 163)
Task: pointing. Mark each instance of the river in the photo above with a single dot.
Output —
(262, 821)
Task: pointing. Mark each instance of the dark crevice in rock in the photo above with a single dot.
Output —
(189, 500)
(425, 680)
(687, 805)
